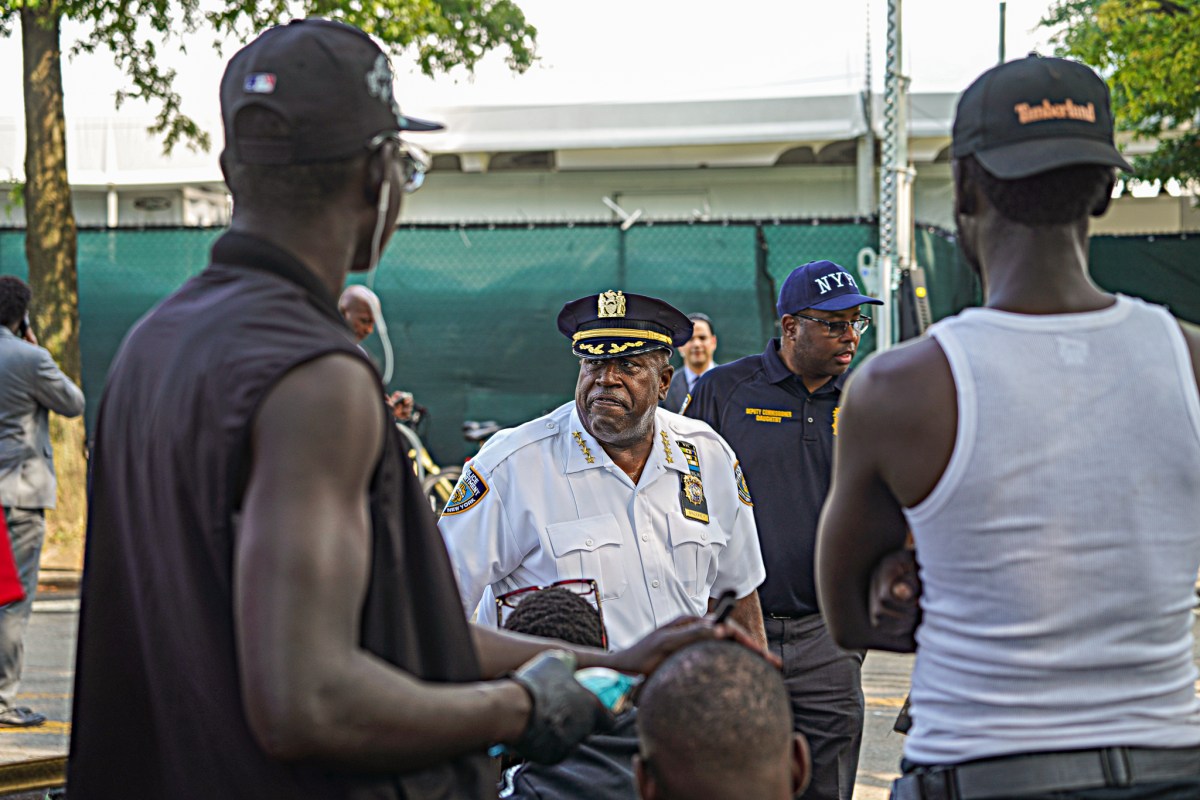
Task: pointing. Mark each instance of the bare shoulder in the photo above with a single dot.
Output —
(330, 407)
(905, 378)
(901, 409)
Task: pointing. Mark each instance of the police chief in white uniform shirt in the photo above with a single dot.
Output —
(649, 504)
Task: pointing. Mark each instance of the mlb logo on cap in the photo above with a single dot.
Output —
(328, 83)
(823, 285)
(260, 83)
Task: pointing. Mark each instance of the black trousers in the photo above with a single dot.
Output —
(825, 685)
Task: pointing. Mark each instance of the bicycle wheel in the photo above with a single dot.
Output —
(439, 487)
(416, 449)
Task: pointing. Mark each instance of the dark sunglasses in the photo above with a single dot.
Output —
(414, 161)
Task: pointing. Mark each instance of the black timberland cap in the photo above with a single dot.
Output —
(330, 83)
(613, 323)
(1036, 114)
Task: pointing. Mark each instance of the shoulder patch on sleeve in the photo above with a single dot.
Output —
(687, 401)
(470, 489)
(743, 489)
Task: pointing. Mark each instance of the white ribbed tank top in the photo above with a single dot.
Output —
(1059, 549)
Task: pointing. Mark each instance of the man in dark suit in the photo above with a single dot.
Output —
(32, 387)
(697, 360)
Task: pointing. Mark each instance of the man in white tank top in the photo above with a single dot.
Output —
(1044, 452)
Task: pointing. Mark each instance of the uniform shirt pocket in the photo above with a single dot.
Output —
(590, 548)
(695, 548)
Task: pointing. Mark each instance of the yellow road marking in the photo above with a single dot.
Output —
(50, 727)
(885, 702)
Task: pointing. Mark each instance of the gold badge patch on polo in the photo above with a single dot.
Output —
(470, 490)
(743, 489)
(610, 304)
(691, 488)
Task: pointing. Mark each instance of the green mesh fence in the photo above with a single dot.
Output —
(1161, 269)
(471, 310)
(952, 284)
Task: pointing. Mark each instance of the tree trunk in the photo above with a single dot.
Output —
(50, 250)
(50, 221)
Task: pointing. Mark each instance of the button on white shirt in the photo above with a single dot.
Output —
(549, 505)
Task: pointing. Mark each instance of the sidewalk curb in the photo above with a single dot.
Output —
(58, 582)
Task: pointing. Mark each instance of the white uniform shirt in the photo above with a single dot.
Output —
(543, 502)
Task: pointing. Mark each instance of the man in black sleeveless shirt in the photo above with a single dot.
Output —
(268, 609)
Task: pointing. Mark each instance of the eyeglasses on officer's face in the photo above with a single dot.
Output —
(837, 329)
(414, 162)
(584, 587)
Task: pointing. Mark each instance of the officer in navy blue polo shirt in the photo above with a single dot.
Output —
(778, 411)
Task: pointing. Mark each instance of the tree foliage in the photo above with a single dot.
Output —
(1149, 52)
(442, 33)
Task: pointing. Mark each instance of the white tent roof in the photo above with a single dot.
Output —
(119, 151)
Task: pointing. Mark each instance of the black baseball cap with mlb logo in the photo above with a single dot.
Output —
(1033, 115)
(328, 81)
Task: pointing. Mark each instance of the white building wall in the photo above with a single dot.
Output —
(728, 193)
(748, 158)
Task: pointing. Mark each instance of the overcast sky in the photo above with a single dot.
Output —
(644, 50)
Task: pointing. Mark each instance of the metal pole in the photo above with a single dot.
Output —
(894, 244)
(1003, 7)
(865, 163)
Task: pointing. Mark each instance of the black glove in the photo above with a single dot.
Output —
(563, 713)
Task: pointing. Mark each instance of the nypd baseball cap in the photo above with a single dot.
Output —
(822, 285)
(614, 323)
(1033, 115)
(328, 81)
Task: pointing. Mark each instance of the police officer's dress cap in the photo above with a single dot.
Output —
(615, 323)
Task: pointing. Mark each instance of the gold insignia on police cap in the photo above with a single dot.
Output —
(611, 304)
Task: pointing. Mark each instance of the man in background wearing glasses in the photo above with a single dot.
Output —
(610, 487)
(778, 411)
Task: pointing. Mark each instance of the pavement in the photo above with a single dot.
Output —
(33, 759)
(885, 685)
(49, 669)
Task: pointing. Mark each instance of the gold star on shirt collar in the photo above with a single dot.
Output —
(667, 447)
(587, 453)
